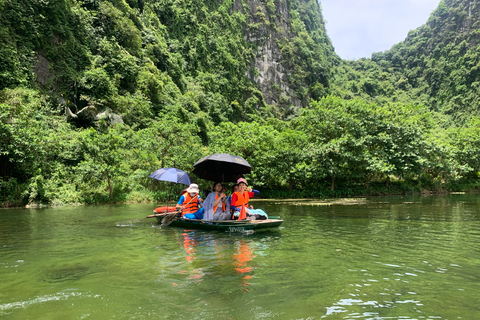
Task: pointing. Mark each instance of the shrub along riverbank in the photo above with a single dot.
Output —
(96, 95)
(334, 148)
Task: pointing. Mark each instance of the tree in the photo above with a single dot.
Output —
(104, 155)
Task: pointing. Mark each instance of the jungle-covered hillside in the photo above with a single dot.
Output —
(437, 65)
(97, 94)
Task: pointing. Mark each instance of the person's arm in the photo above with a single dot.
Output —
(221, 197)
(179, 203)
(253, 193)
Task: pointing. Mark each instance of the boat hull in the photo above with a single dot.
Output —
(227, 226)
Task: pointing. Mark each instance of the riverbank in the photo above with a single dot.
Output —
(162, 197)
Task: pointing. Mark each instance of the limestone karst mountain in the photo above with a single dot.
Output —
(222, 56)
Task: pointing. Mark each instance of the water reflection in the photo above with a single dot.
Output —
(241, 259)
(219, 259)
(379, 259)
(189, 244)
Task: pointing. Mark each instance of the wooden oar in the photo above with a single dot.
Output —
(169, 218)
(156, 214)
(138, 219)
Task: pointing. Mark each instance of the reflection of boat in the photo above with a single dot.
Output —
(221, 256)
(228, 225)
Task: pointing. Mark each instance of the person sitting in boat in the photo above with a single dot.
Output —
(216, 206)
(191, 203)
(234, 189)
(240, 203)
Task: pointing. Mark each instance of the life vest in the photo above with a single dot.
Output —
(242, 202)
(191, 205)
(223, 205)
(242, 199)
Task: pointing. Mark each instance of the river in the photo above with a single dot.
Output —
(365, 258)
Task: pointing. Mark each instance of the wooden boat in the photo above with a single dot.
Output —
(227, 225)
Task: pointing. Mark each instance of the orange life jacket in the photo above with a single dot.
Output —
(215, 208)
(242, 201)
(191, 205)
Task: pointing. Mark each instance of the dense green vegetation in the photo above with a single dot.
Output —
(95, 95)
(437, 65)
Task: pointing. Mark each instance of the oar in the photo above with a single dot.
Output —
(156, 214)
(138, 219)
(169, 218)
(160, 214)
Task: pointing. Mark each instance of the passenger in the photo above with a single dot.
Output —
(216, 205)
(234, 189)
(190, 203)
(240, 205)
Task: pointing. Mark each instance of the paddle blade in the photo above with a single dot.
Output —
(168, 219)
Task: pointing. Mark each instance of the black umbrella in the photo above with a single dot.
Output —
(222, 167)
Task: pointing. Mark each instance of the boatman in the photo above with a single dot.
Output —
(190, 203)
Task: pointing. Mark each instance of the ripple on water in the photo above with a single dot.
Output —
(66, 273)
(63, 295)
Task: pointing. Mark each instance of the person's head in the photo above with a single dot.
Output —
(235, 188)
(193, 189)
(218, 187)
(242, 184)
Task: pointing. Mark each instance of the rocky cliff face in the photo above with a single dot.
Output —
(131, 49)
(452, 20)
(286, 76)
(269, 69)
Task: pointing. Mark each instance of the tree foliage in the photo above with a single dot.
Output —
(97, 94)
(436, 65)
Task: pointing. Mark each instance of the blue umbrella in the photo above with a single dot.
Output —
(172, 175)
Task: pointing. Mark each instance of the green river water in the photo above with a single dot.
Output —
(375, 258)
